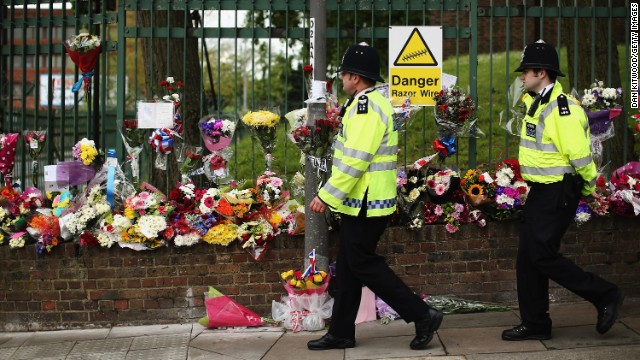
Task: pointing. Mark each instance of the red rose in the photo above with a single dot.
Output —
(307, 69)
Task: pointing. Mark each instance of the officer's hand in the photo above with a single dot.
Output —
(317, 205)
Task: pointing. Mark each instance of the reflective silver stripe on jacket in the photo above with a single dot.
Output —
(356, 154)
(581, 162)
(359, 154)
(382, 166)
(538, 145)
(349, 170)
(335, 192)
(554, 170)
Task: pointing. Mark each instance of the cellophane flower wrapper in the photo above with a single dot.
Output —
(441, 185)
(216, 166)
(625, 193)
(385, 312)
(162, 142)
(83, 49)
(304, 312)
(263, 125)
(189, 160)
(478, 187)
(122, 186)
(455, 114)
(223, 311)
(412, 194)
(35, 140)
(8, 144)
(134, 139)
(403, 114)
(216, 133)
(85, 213)
(72, 173)
(517, 110)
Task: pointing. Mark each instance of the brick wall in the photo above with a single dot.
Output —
(93, 287)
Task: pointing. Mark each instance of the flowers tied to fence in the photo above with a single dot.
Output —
(263, 125)
(84, 50)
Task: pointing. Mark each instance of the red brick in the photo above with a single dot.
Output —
(121, 304)
(48, 305)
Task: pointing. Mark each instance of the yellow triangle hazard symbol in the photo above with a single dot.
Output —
(415, 52)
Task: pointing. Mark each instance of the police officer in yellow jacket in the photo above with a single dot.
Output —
(555, 160)
(362, 188)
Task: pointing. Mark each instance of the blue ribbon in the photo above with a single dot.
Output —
(449, 143)
(111, 178)
(77, 85)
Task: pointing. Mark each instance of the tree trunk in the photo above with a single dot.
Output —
(157, 69)
(614, 148)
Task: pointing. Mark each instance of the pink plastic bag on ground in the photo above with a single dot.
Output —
(223, 311)
(367, 310)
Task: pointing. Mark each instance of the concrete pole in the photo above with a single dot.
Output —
(315, 233)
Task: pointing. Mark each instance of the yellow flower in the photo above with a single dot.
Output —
(293, 282)
(476, 189)
(261, 118)
(317, 278)
(221, 234)
(129, 213)
(470, 173)
(1, 238)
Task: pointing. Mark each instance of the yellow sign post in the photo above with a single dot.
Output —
(415, 58)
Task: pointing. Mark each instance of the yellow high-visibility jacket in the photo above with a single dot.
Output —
(365, 159)
(552, 144)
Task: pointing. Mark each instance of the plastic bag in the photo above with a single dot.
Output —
(303, 312)
(223, 311)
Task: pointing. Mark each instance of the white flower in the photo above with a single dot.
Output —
(609, 93)
(413, 194)
(151, 225)
(102, 208)
(121, 223)
(105, 240)
(504, 199)
(187, 240)
(167, 98)
(16, 243)
(588, 100)
(228, 126)
(582, 217)
(170, 80)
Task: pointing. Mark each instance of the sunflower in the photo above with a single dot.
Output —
(476, 190)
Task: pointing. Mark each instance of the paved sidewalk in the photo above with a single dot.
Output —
(468, 336)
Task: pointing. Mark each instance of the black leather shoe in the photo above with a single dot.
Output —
(425, 329)
(608, 314)
(524, 332)
(329, 341)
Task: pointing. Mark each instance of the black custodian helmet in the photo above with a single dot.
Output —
(363, 60)
(540, 55)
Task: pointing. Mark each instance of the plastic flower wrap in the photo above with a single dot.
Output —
(316, 141)
(83, 50)
(133, 138)
(47, 232)
(216, 166)
(86, 213)
(255, 236)
(517, 111)
(441, 185)
(455, 115)
(216, 133)
(189, 160)
(162, 142)
(412, 194)
(35, 139)
(602, 105)
(263, 125)
(8, 144)
(478, 187)
(625, 193)
(172, 94)
(403, 114)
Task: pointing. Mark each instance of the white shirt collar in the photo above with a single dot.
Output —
(546, 89)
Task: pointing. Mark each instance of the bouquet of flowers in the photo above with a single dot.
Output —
(172, 94)
(316, 141)
(83, 50)
(256, 235)
(270, 189)
(217, 133)
(263, 129)
(441, 185)
(510, 191)
(453, 214)
(307, 70)
(162, 141)
(85, 150)
(215, 166)
(518, 110)
(412, 194)
(403, 114)
(240, 197)
(583, 213)
(599, 203)
(223, 234)
(85, 215)
(35, 140)
(455, 115)
(311, 281)
(602, 106)
(478, 187)
(47, 230)
(133, 139)
(8, 144)
(625, 194)
(189, 160)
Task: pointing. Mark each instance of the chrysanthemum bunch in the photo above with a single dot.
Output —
(599, 97)
(95, 207)
(269, 188)
(511, 190)
(85, 150)
(440, 182)
(222, 234)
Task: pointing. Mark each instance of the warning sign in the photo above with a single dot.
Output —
(415, 58)
(415, 52)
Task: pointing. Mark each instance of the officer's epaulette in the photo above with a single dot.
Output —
(563, 105)
(363, 104)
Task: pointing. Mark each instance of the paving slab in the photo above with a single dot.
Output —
(609, 353)
(294, 346)
(631, 322)
(197, 354)
(122, 355)
(46, 337)
(587, 336)
(14, 339)
(129, 331)
(483, 340)
(49, 351)
(504, 319)
(7, 353)
(160, 341)
(630, 307)
(374, 329)
(574, 314)
(167, 353)
(391, 347)
(236, 345)
(102, 346)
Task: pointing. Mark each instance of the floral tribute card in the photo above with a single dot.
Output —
(155, 115)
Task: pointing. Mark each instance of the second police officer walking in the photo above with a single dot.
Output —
(555, 160)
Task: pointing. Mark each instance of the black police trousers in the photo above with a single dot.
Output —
(357, 265)
(545, 220)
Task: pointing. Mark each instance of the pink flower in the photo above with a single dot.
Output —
(276, 182)
(438, 210)
(440, 189)
(208, 202)
(451, 228)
